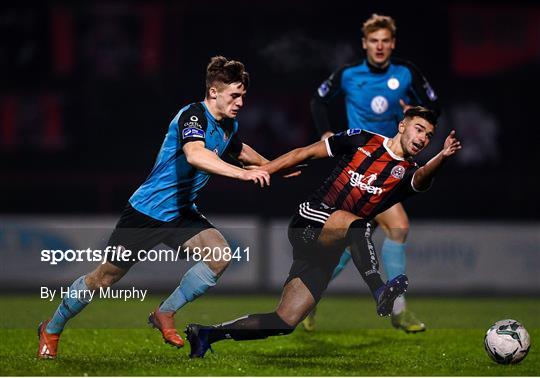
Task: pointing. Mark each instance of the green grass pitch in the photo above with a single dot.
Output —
(111, 338)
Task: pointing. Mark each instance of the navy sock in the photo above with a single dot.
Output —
(364, 255)
(250, 327)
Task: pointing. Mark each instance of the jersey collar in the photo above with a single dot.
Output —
(208, 114)
(377, 70)
(394, 156)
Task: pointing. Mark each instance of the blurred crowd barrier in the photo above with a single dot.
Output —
(443, 257)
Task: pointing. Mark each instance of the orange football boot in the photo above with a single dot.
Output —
(48, 342)
(164, 321)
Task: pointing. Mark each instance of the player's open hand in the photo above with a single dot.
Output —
(451, 144)
(257, 176)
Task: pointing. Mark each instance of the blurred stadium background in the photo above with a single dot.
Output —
(88, 90)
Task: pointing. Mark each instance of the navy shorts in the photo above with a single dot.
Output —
(311, 263)
(137, 231)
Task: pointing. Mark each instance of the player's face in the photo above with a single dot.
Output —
(230, 99)
(379, 46)
(417, 133)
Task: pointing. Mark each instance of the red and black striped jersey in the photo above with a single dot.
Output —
(369, 178)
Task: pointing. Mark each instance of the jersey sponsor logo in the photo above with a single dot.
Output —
(193, 132)
(216, 151)
(364, 151)
(393, 83)
(379, 104)
(193, 122)
(351, 132)
(324, 88)
(364, 182)
(398, 172)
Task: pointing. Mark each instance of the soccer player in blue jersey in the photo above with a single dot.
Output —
(163, 210)
(377, 91)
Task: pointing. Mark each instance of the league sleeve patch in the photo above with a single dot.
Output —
(324, 88)
(192, 132)
(352, 132)
(430, 92)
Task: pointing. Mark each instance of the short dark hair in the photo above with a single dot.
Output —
(420, 111)
(222, 70)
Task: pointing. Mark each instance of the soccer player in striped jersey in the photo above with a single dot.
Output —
(377, 90)
(373, 173)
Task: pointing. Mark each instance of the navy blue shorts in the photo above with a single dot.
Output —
(136, 231)
(313, 264)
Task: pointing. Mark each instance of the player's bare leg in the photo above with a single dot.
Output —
(50, 330)
(296, 302)
(195, 282)
(395, 225)
(310, 321)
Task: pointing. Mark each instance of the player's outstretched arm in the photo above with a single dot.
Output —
(201, 158)
(292, 158)
(423, 176)
(248, 156)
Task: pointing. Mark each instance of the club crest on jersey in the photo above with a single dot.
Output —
(393, 83)
(398, 172)
(364, 182)
(379, 104)
(324, 88)
(193, 132)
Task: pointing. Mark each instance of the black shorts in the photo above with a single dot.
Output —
(311, 263)
(136, 231)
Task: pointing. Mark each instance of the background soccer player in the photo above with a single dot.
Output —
(377, 90)
(163, 208)
(373, 173)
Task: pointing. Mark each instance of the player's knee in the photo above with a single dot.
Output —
(99, 279)
(398, 233)
(358, 227)
(107, 279)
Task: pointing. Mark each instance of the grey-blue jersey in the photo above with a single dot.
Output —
(372, 95)
(174, 184)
